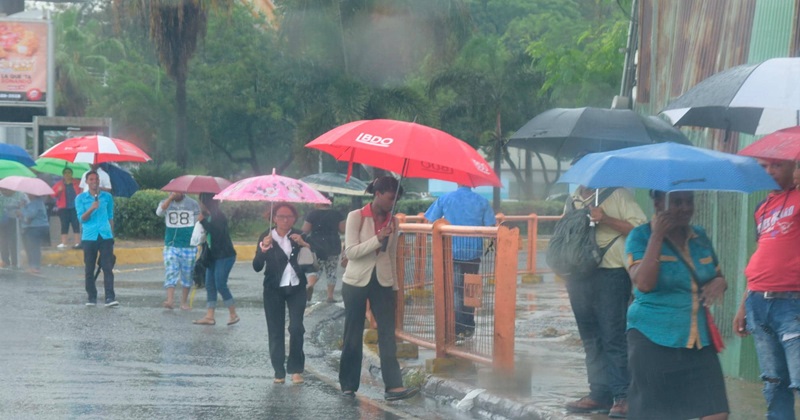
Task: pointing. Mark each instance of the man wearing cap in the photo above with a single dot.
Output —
(770, 308)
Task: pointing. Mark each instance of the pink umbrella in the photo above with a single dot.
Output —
(96, 149)
(195, 184)
(272, 188)
(33, 186)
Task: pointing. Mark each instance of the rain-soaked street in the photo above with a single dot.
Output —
(61, 359)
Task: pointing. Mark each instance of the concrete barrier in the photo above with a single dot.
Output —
(129, 255)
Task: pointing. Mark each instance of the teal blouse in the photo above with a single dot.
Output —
(671, 315)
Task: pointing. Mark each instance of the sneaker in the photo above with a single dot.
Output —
(76, 246)
(620, 409)
(90, 303)
(587, 405)
(61, 246)
(111, 303)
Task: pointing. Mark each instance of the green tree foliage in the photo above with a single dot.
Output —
(154, 175)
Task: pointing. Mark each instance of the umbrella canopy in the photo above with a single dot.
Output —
(273, 188)
(54, 166)
(566, 132)
(33, 186)
(751, 98)
(334, 183)
(96, 149)
(409, 149)
(669, 167)
(122, 182)
(782, 145)
(10, 167)
(15, 153)
(196, 184)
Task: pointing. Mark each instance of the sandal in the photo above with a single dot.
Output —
(234, 320)
(168, 305)
(279, 380)
(297, 378)
(204, 321)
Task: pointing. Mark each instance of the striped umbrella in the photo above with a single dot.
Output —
(96, 149)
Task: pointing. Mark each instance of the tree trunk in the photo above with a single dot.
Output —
(180, 121)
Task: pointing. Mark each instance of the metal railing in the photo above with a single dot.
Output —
(427, 305)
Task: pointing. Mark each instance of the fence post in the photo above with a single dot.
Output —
(505, 272)
(533, 236)
(439, 299)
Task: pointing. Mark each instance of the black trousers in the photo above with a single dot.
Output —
(275, 304)
(104, 247)
(382, 303)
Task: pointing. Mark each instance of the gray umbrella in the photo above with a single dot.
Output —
(752, 98)
(565, 132)
(335, 183)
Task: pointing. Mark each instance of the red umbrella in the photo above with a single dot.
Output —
(96, 149)
(409, 149)
(195, 184)
(782, 144)
(33, 186)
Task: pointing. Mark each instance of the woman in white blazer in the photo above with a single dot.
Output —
(370, 275)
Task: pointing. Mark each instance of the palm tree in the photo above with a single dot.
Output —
(174, 26)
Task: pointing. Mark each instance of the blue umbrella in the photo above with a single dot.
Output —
(669, 167)
(15, 153)
(122, 182)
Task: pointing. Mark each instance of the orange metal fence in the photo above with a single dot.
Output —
(427, 308)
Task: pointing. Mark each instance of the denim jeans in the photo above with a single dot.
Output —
(775, 327)
(217, 281)
(600, 304)
(464, 315)
(32, 238)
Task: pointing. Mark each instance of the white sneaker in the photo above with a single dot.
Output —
(61, 246)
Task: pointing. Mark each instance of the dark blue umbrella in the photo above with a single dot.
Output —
(15, 153)
(669, 167)
(122, 182)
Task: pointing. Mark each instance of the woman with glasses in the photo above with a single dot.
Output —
(284, 288)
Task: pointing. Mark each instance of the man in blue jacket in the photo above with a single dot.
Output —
(95, 209)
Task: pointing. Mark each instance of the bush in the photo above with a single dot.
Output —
(135, 217)
(154, 175)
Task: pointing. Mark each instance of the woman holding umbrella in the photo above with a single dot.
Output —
(223, 256)
(370, 276)
(675, 372)
(285, 283)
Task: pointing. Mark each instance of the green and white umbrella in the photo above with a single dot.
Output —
(55, 166)
(10, 167)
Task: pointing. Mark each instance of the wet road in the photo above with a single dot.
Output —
(60, 359)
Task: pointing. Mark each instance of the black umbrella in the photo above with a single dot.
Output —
(565, 132)
(752, 98)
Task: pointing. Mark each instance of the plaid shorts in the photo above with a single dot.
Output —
(178, 264)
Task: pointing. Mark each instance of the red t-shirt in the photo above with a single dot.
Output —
(775, 266)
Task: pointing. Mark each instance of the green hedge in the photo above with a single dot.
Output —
(135, 217)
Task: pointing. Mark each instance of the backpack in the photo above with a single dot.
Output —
(573, 252)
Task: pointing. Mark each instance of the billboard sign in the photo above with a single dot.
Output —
(23, 62)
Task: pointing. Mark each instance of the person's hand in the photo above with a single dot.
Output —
(95, 205)
(740, 323)
(713, 291)
(662, 223)
(386, 231)
(265, 243)
(298, 238)
(201, 216)
(597, 214)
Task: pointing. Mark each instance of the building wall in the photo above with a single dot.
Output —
(680, 44)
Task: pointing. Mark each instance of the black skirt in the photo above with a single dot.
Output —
(673, 383)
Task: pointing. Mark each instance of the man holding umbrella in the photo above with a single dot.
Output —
(180, 214)
(769, 307)
(600, 301)
(95, 209)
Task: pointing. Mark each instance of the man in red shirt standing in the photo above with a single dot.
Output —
(770, 309)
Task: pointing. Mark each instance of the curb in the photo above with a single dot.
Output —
(130, 256)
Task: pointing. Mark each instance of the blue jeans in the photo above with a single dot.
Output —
(217, 281)
(600, 304)
(775, 327)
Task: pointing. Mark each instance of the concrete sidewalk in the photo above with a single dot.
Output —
(549, 358)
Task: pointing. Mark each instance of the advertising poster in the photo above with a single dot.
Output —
(23, 61)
